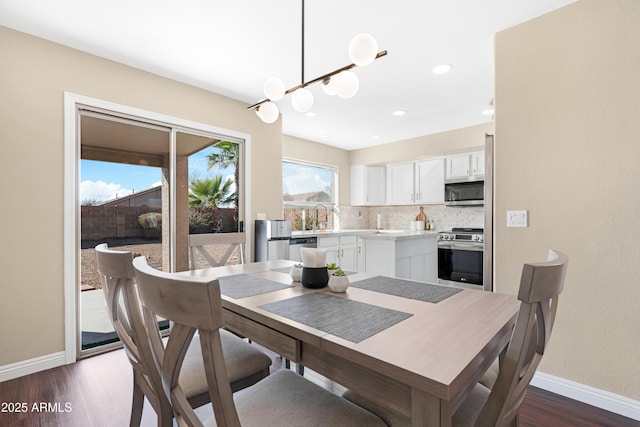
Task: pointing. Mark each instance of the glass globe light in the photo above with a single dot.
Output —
(346, 84)
(273, 88)
(363, 49)
(328, 87)
(302, 100)
(268, 112)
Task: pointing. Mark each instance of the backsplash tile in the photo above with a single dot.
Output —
(400, 217)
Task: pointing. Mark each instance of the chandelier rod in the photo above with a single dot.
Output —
(302, 44)
(317, 79)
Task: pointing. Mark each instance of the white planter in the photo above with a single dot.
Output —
(338, 283)
(296, 273)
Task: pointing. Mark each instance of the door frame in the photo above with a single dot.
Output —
(71, 257)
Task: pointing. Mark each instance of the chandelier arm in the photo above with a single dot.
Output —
(317, 79)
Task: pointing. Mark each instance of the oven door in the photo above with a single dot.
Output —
(460, 262)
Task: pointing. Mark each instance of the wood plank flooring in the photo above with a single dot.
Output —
(97, 392)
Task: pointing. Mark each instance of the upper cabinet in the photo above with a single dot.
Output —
(400, 184)
(429, 181)
(416, 182)
(465, 165)
(368, 183)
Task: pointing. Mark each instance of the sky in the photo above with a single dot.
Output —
(297, 179)
(102, 181)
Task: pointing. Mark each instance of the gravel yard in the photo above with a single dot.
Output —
(152, 250)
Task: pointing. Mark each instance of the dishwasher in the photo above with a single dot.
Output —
(295, 243)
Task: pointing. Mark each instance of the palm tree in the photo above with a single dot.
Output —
(211, 192)
(228, 155)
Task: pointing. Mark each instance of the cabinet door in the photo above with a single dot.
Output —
(368, 185)
(477, 163)
(400, 184)
(429, 185)
(375, 185)
(331, 246)
(458, 166)
(347, 259)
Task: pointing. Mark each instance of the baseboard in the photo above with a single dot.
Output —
(26, 367)
(608, 401)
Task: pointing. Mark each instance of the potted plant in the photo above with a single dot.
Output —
(331, 268)
(338, 281)
(296, 272)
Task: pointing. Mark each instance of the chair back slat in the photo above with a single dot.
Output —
(199, 245)
(540, 286)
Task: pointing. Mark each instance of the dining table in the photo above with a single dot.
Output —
(416, 348)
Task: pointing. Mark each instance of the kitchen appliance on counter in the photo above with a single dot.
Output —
(272, 239)
(460, 257)
(463, 192)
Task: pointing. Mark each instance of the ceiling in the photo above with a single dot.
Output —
(231, 47)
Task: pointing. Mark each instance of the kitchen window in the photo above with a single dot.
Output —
(308, 194)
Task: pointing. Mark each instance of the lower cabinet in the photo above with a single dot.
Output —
(414, 259)
(341, 250)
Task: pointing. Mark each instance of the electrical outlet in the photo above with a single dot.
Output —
(517, 219)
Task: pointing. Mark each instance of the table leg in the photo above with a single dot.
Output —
(428, 410)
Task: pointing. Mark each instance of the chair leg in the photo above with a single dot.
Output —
(137, 404)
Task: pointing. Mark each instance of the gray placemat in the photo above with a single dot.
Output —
(244, 285)
(352, 320)
(406, 288)
(287, 270)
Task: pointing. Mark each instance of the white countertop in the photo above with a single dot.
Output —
(369, 234)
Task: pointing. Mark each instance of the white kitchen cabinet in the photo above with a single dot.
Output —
(413, 259)
(368, 185)
(341, 250)
(429, 181)
(477, 163)
(416, 182)
(465, 165)
(400, 182)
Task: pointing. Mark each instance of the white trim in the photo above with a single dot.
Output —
(71, 183)
(602, 399)
(37, 364)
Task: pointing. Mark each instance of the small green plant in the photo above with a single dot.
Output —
(297, 265)
(339, 272)
(332, 266)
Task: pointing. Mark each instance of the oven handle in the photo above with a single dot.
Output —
(462, 246)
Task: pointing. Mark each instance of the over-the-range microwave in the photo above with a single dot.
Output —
(463, 192)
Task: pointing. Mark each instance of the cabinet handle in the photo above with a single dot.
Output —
(341, 253)
(417, 196)
(359, 250)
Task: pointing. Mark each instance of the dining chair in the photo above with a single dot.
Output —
(284, 398)
(540, 285)
(198, 244)
(245, 363)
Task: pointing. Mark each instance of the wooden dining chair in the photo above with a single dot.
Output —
(246, 364)
(540, 285)
(284, 398)
(199, 244)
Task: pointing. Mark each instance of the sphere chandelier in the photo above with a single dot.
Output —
(363, 50)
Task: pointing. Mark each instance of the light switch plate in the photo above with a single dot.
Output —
(517, 219)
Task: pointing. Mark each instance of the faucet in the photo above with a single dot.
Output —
(326, 214)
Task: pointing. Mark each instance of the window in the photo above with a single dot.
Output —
(308, 194)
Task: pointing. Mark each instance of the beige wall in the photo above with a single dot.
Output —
(450, 142)
(33, 77)
(567, 150)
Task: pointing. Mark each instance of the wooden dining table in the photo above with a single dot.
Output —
(421, 366)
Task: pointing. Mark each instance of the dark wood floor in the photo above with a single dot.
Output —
(97, 392)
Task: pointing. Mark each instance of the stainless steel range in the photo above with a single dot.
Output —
(460, 257)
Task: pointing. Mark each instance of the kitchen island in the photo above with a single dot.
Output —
(394, 253)
(402, 254)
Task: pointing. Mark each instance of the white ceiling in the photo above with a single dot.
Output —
(231, 47)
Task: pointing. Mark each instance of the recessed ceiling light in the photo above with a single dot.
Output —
(443, 68)
(488, 112)
(399, 113)
(310, 114)
(375, 137)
